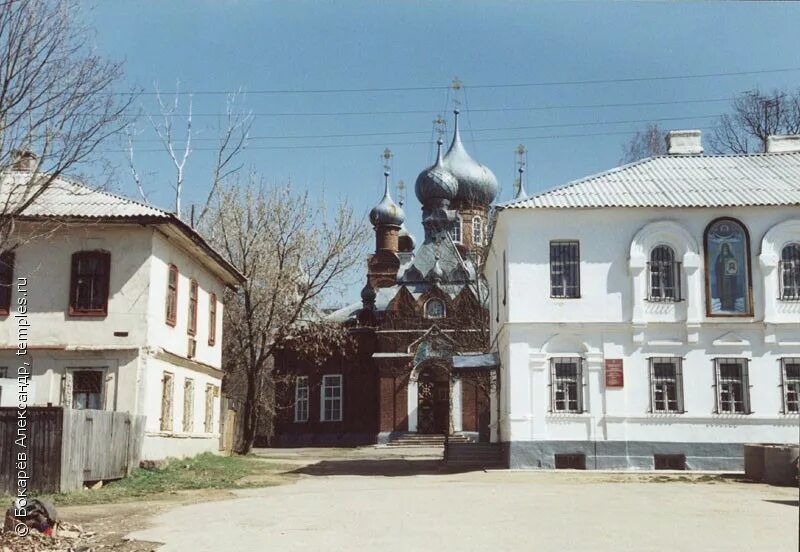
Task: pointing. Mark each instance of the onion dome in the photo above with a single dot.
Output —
(435, 183)
(436, 274)
(476, 183)
(368, 295)
(387, 212)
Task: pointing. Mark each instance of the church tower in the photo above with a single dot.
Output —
(387, 220)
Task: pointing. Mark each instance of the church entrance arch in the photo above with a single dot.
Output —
(433, 398)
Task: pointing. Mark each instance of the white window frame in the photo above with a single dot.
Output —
(790, 386)
(301, 393)
(477, 230)
(724, 386)
(444, 309)
(560, 384)
(326, 396)
(457, 230)
(789, 290)
(657, 270)
(662, 406)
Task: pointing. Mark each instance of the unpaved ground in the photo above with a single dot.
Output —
(385, 509)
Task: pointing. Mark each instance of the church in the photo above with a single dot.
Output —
(648, 317)
(419, 332)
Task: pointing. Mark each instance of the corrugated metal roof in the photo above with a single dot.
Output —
(681, 181)
(68, 198)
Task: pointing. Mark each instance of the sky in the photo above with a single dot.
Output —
(295, 57)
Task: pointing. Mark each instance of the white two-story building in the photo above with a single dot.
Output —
(649, 316)
(122, 310)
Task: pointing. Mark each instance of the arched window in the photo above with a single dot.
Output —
(477, 231)
(665, 275)
(455, 229)
(727, 252)
(434, 308)
(790, 272)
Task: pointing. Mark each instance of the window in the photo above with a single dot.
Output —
(6, 281)
(789, 272)
(212, 319)
(733, 388)
(89, 283)
(477, 231)
(188, 405)
(455, 229)
(665, 275)
(666, 385)
(727, 256)
(191, 328)
(172, 295)
(566, 384)
(565, 269)
(790, 372)
(212, 391)
(301, 399)
(331, 398)
(434, 308)
(87, 389)
(166, 401)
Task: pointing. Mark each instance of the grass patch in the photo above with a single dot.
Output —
(205, 471)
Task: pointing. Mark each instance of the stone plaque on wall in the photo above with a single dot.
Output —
(614, 375)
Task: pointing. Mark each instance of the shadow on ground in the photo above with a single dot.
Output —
(785, 502)
(388, 468)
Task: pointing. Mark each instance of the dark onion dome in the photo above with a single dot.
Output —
(387, 212)
(368, 294)
(435, 183)
(476, 183)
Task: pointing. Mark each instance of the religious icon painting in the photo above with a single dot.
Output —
(727, 250)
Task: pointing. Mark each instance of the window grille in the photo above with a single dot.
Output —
(665, 275)
(732, 386)
(301, 399)
(564, 269)
(331, 398)
(790, 380)
(790, 272)
(566, 384)
(666, 385)
(87, 389)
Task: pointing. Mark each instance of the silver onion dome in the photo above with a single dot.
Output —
(435, 182)
(387, 212)
(476, 183)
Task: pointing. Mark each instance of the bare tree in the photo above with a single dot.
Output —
(233, 129)
(648, 142)
(756, 116)
(57, 101)
(293, 253)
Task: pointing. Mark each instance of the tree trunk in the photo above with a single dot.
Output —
(249, 414)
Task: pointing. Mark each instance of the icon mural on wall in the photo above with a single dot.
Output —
(727, 269)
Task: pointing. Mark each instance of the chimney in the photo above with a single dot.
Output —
(789, 143)
(684, 142)
(23, 160)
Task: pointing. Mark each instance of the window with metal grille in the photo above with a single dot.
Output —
(191, 328)
(455, 229)
(89, 283)
(566, 384)
(87, 389)
(666, 385)
(301, 399)
(331, 398)
(6, 281)
(188, 405)
(477, 231)
(172, 296)
(790, 272)
(790, 372)
(733, 387)
(665, 275)
(167, 391)
(565, 269)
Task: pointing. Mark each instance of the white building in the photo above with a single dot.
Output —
(123, 303)
(649, 316)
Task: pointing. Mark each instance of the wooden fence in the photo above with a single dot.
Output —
(66, 448)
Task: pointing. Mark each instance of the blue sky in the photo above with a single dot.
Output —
(301, 45)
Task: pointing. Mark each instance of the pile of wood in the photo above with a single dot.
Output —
(65, 537)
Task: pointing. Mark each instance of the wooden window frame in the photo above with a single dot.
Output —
(212, 319)
(105, 258)
(561, 267)
(187, 421)
(7, 260)
(324, 399)
(301, 400)
(172, 296)
(191, 322)
(167, 402)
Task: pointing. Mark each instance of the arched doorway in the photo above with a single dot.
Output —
(433, 399)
